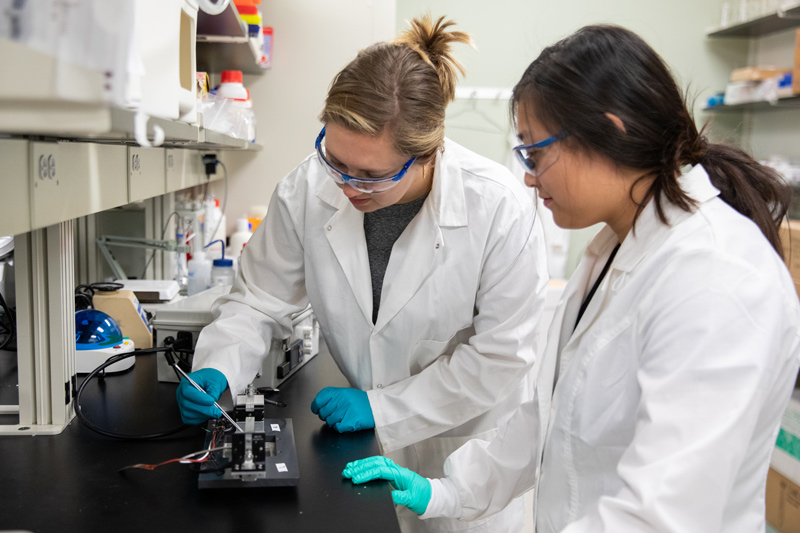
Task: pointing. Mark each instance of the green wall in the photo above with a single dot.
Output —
(509, 34)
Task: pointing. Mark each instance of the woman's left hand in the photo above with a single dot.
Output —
(343, 409)
(414, 491)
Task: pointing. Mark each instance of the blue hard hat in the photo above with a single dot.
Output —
(95, 330)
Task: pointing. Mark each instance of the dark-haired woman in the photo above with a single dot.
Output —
(675, 346)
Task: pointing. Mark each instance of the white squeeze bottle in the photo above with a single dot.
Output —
(240, 238)
(222, 273)
(199, 273)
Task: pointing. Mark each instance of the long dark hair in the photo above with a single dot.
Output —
(608, 69)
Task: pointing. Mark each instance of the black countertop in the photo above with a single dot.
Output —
(70, 482)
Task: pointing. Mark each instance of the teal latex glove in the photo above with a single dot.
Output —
(197, 407)
(343, 409)
(414, 491)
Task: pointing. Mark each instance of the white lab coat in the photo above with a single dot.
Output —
(669, 392)
(454, 340)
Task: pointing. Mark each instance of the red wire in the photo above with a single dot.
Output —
(214, 436)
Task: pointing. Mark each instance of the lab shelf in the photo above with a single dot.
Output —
(117, 126)
(791, 102)
(213, 139)
(223, 43)
(785, 18)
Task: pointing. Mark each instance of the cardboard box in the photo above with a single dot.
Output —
(783, 503)
(757, 73)
(790, 239)
(783, 481)
(796, 70)
(786, 455)
(123, 307)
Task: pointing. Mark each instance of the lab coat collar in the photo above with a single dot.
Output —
(447, 196)
(650, 230)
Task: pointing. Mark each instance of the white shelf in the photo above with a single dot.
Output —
(787, 17)
(115, 125)
(790, 102)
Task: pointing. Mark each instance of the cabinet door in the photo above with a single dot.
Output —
(146, 173)
(71, 180)
(184, 169)
(15, 215)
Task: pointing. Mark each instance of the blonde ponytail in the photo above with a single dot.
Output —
(401, 87)
(432, 42)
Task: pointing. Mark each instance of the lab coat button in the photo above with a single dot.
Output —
(380, 385)
(437, 246)
(330, 228)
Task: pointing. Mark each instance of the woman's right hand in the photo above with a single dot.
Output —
(197, 407)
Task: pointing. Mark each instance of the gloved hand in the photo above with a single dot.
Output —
(195, 406)
(343, 409)
(414, 490)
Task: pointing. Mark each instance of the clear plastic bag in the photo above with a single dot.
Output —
(227, 116)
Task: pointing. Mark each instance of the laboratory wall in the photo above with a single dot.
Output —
(511, 33)
(313, 41)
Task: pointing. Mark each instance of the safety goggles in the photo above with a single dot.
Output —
(540, 156)
(368, 185)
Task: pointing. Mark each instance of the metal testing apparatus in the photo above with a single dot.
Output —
(261, 453)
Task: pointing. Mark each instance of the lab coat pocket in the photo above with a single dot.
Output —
(608, 371)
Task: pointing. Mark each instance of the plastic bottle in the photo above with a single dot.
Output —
(231, 85)
(240, 238)
(222, 272)
(181, 267)
(256, 215)
(199, 273)
(266, 50)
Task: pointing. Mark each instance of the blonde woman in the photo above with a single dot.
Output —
(423, 262)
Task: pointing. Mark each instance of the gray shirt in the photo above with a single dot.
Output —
(382, 228)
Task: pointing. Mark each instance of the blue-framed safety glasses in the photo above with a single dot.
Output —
(540, 156)
(367, 185)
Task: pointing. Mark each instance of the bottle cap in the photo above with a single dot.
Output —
(223, 263)
(231, 76)
(201, 256)
(242, 224)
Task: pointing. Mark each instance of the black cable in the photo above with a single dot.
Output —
(97, 429)
(12, 324)
(85, 293)
(106, 286)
